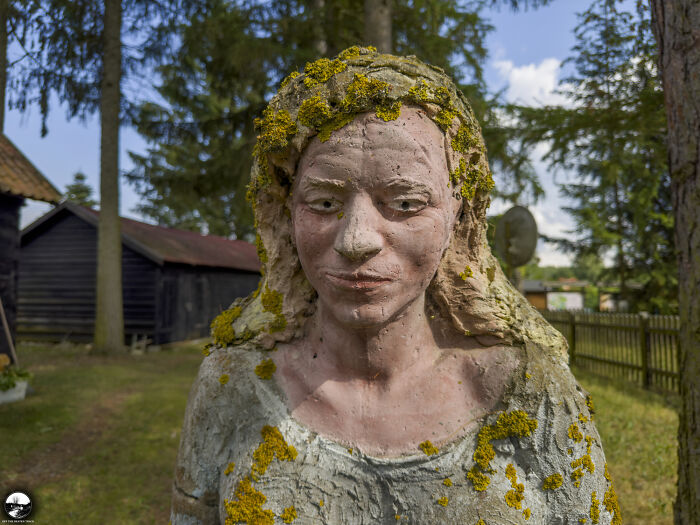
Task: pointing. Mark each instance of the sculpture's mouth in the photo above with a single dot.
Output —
(357, 280)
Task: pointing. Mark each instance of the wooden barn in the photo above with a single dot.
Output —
(174, 282)
(19, 180)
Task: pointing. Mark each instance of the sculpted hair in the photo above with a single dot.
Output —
(469, 294)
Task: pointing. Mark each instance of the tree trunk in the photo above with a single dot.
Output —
(3, 61)
(109, 321)
(677, 30)
(320, 43)
(378, 24)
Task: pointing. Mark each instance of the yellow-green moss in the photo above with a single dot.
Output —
(314, 112)
(276, 128)
(575, 433)
(223, 379)
(273, 446)
(479, 480)
(465, 139)
(289, 78)
(472, 178)
(272, 302)
(265, 369)
(222, 331)
(207, 349)
(612, 506)
(490, 273)
(447, 482)
(444, 118)
(260, 248)
(595, 510)
(607, 474)
(428, 448)
(337, 122)
(229, 468)
(289, 514)
(349, 53)
(443, 501)
(590, 405)
(513, 424)
(389, 110)
(582, 418)
(553, 482)
(526, 514)
(397, 517)
(340, 215)
(362, 93)
(514, 498)
(480, 522)
(322, 70)
(321, 503)
(457, 174)
(247, 508)
(466, 273)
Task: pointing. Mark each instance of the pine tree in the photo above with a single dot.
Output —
(80, 192)
(77, 53)
(232, 57)
(613, 138)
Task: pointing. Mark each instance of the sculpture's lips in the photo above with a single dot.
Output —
(357, 281)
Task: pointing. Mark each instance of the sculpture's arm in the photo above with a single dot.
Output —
(195, 499)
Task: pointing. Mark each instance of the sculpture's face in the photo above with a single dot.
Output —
(372, 213)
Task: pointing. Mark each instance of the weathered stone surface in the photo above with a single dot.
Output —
(410, 380)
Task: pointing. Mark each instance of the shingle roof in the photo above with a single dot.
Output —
(18, 176)
(162, 244)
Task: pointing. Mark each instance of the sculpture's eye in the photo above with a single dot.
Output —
(326, 205)
(407, 205)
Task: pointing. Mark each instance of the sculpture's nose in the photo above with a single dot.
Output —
(358, 238)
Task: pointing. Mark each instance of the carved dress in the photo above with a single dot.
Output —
(244, 459)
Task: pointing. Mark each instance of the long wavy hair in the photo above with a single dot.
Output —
(469, 294)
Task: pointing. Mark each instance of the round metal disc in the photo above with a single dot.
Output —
(516, 236)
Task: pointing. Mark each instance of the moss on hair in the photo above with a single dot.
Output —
(315, 112)
(222, 331)
(322, 70)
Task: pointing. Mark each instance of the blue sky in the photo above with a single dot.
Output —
(526, 50)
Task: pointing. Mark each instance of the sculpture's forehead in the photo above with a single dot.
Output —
(413, 137)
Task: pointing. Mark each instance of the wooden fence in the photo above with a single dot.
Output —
(636, 347)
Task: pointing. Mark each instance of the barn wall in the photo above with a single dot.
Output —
(190, 297)
(57, 278)
(9, 256)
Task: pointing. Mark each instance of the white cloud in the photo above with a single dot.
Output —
(532, 84)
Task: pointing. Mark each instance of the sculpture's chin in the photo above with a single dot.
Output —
(369, 315)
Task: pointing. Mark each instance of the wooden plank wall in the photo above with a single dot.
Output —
(9, 256)
(57, 285)
(190, 297)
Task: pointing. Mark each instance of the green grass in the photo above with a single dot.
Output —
(96, 442)
(638, 429)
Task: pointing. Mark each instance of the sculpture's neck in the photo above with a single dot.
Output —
(375, 353)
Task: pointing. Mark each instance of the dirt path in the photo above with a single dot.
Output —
(57, 460)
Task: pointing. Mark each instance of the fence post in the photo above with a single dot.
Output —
(572, 338)
(645, 346)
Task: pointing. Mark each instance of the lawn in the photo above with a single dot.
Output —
(96, 442)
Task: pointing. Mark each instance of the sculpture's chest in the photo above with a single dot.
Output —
(326, 483)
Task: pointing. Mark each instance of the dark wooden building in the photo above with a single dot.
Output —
(174, 282)
(19, 180)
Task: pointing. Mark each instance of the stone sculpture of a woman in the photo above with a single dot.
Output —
(385, 371)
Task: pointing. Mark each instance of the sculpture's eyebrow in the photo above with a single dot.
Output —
(310, 182)
(403, 184)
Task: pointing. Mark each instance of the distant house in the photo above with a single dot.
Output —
(19, 180)
(174, 282)
(564, 294)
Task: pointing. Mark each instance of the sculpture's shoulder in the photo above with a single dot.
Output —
(223, 404)
(562, 459)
